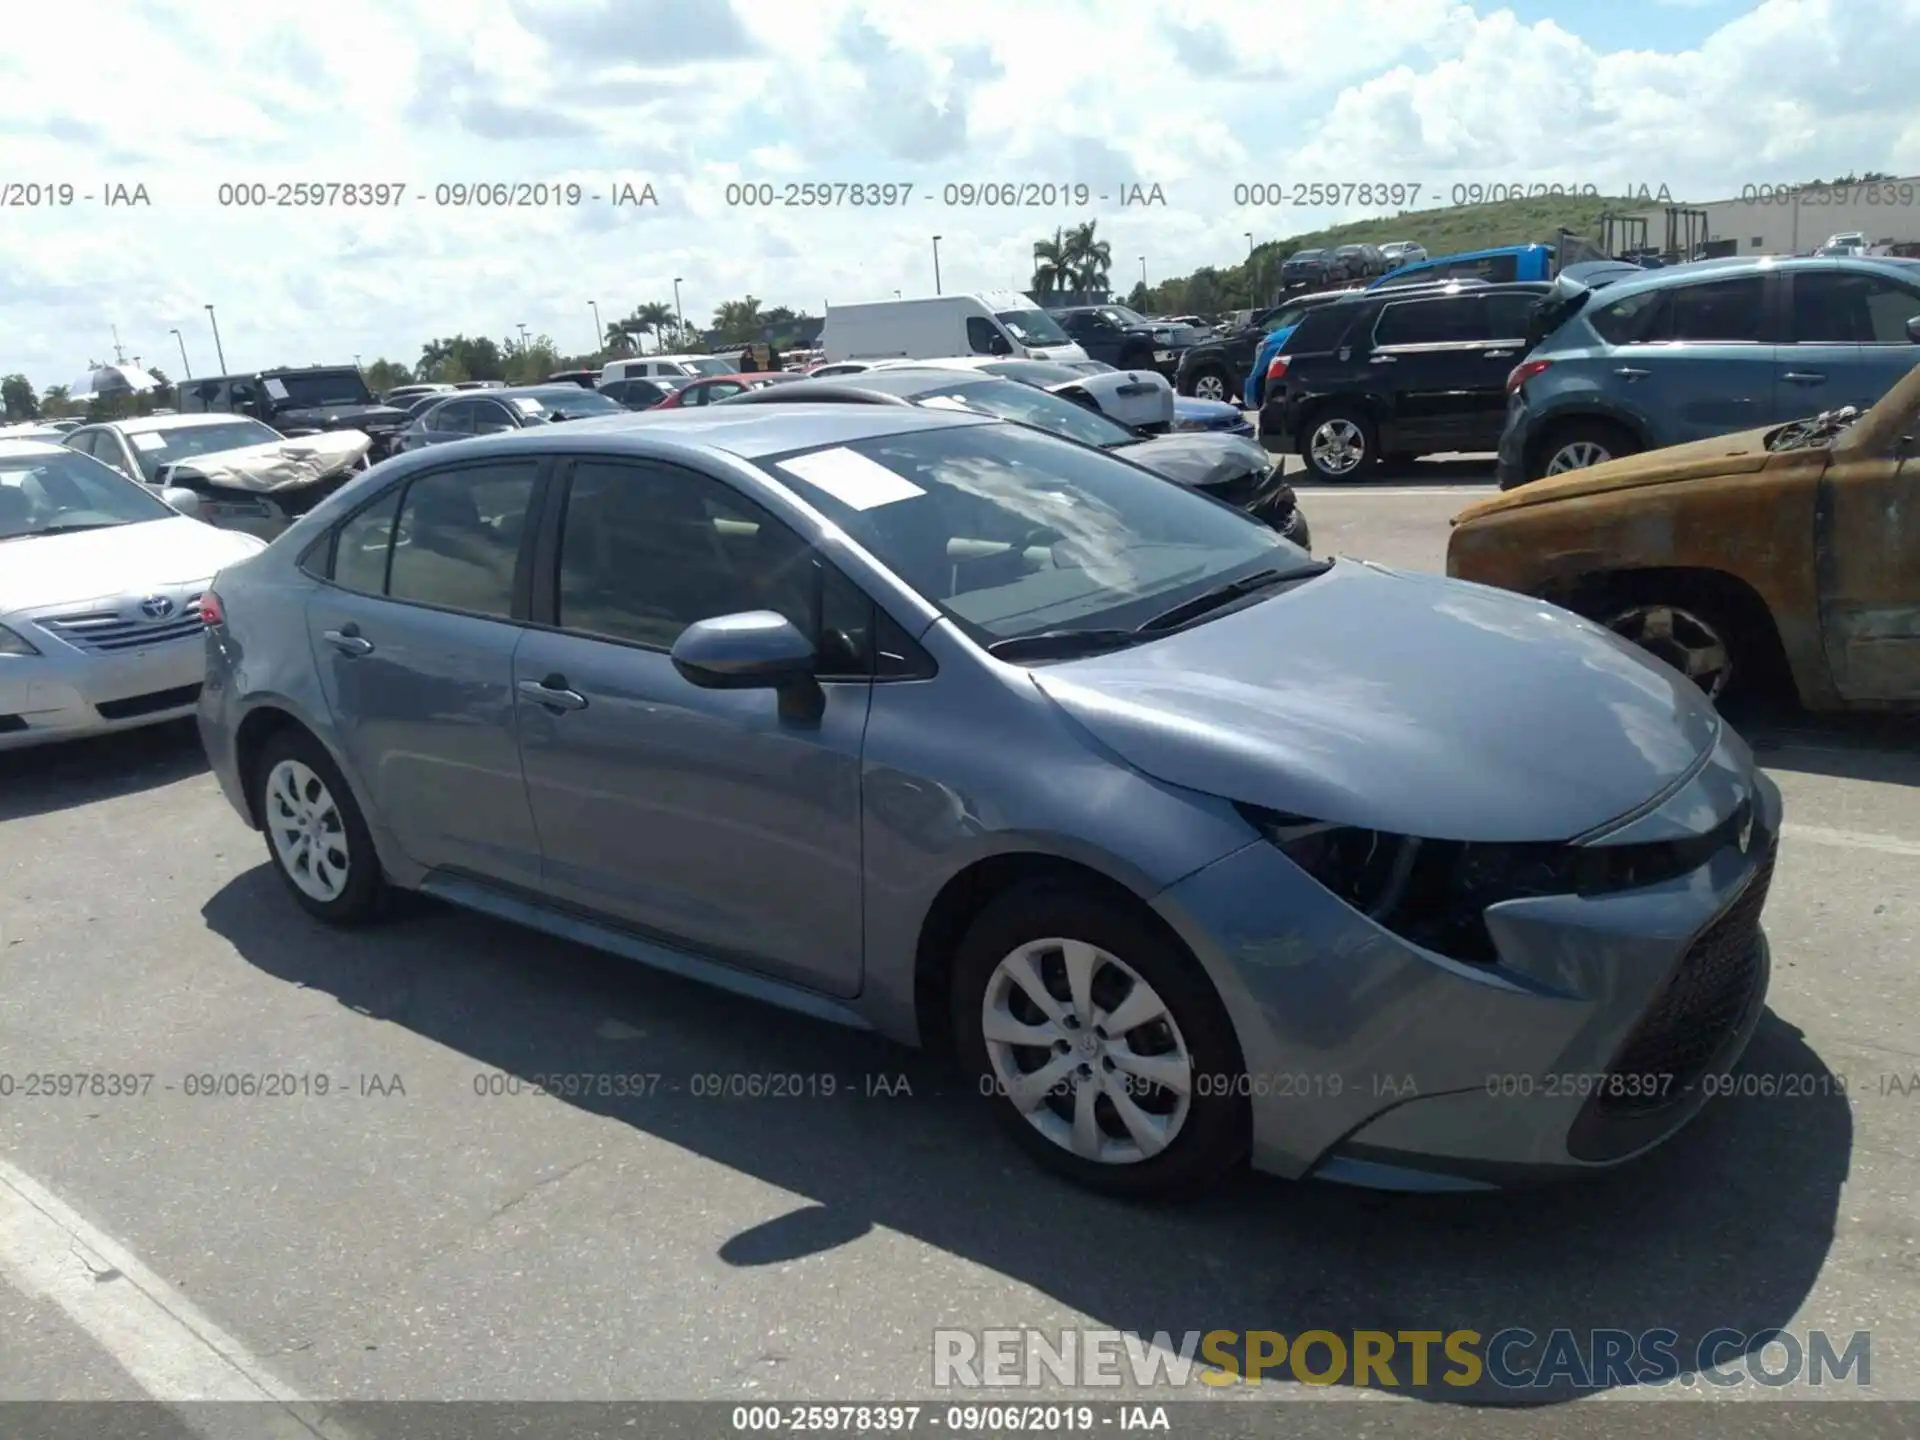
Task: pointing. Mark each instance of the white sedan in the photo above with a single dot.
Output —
(100, 588)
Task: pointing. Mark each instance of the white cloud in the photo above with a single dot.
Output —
(182, 97)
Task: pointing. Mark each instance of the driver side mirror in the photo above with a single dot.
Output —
(187, 502)
(999, 345)
(1913, 329)
(753, 650)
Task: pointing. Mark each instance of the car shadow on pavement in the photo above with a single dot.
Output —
(1726, 1227)
(47, 778)
(1884, 748)
(1451, 470)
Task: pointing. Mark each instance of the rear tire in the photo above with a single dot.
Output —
(1580, 445)
(1107, 1109)
(1210, 384)
(1339, 444)
(316, 837)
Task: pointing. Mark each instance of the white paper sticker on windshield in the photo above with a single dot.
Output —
(148, 440)
(527, 405)
(276, 389)
(851, 478)
(945, 402)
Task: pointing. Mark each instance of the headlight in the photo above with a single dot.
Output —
(12, 642)
(1435, 893)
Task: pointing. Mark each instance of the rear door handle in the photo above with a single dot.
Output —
(1386, 360)
(1629, 372)
(553, 692)
(1804, 377)
(1499, 354)
(348, 641)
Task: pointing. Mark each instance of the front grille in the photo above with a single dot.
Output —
(152, 703)
(1701, 1005)
(107, 631)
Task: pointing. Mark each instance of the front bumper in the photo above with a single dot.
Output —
(1372, 1061)
(65, 693)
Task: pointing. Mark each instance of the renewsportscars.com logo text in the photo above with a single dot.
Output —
(1512, 1359)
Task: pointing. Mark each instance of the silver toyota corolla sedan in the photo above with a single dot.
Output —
(1195, 848)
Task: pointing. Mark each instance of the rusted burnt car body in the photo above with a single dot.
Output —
(1787, 555)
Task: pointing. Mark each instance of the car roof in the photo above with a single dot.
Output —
(1736, 266)
(13, 449)
(746, 431)
(781, 376)
(144, 424)
(523, 392)
(901, 382)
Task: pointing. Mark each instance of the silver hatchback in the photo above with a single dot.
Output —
(1194, 847)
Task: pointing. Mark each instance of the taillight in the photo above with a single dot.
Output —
(210, 611)
(1524, 372)
(1277, 368)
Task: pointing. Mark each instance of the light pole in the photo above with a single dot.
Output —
(679, 316)
(1249, 244)
(936, 264)
(1143, 272)
(218, 349)
(183, 354)
(599, 335)
(521, 326)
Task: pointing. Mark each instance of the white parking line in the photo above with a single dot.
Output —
(170, 1349)
(1850, 839)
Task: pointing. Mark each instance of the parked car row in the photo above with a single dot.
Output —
(1557, 375)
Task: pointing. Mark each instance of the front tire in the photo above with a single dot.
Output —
(1210, 385)
(1727, 648)
(316, 837)
(1102, 1046)
(1339, 444)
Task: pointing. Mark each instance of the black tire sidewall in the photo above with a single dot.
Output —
(1369, 438)
(1218, 1129)
(361, 899)
(1226, 382)
(1618, 442)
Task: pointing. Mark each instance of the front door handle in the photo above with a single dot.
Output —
(1386, 360)
(348, 641)
(1804, 377)
(553, 692)
(1499, 354)
(1629, 372)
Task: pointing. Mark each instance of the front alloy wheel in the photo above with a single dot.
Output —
(308, 832)
(1087, 1051)
(1686, 640)
(1210, 386)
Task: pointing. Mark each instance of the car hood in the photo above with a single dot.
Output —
(1198, 458)
(1722, 455)
(59, 570)
(1400, 702)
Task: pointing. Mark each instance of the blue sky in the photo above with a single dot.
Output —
(1186, 94)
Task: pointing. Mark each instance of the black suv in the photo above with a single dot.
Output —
(1216, 369)
(300, 402)
(1126, 339)
(1388, 374)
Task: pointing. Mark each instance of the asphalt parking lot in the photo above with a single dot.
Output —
(417, 1233)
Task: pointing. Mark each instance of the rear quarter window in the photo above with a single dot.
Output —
(1626, 320)
(1320, 329)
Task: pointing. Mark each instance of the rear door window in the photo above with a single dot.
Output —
(1447, 320)
(1626, 321)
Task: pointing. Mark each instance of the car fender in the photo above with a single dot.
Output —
(1591, 402)
(1305, 404)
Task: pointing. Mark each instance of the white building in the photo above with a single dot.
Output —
(1781, 220)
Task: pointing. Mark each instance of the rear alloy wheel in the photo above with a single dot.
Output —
(1339, 445)
(1210, 385)
(1105, 1051)
(319, 843)
(1695, 644)
(1581, 446)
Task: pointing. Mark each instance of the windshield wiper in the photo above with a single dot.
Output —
(1061, 644)
(1226, 594)
(69, 529)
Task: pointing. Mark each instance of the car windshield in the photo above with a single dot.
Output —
(1010, 400)
(62, 490)
(1121, 315)
(562, 402)
(319, 387)
(1032, 327)
(1305, 255)
(154, 448)
(1013, 533)
(714, 365)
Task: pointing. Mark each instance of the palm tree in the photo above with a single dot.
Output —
(651, 317)
(1088, 259)
(619, 338)
(739, 320)
(1052, 264)
(54, 401)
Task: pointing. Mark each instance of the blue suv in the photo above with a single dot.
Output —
(1702, 350)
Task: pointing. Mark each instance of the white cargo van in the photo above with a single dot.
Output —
(993, 322)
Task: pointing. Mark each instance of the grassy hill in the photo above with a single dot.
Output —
(1444, 231)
